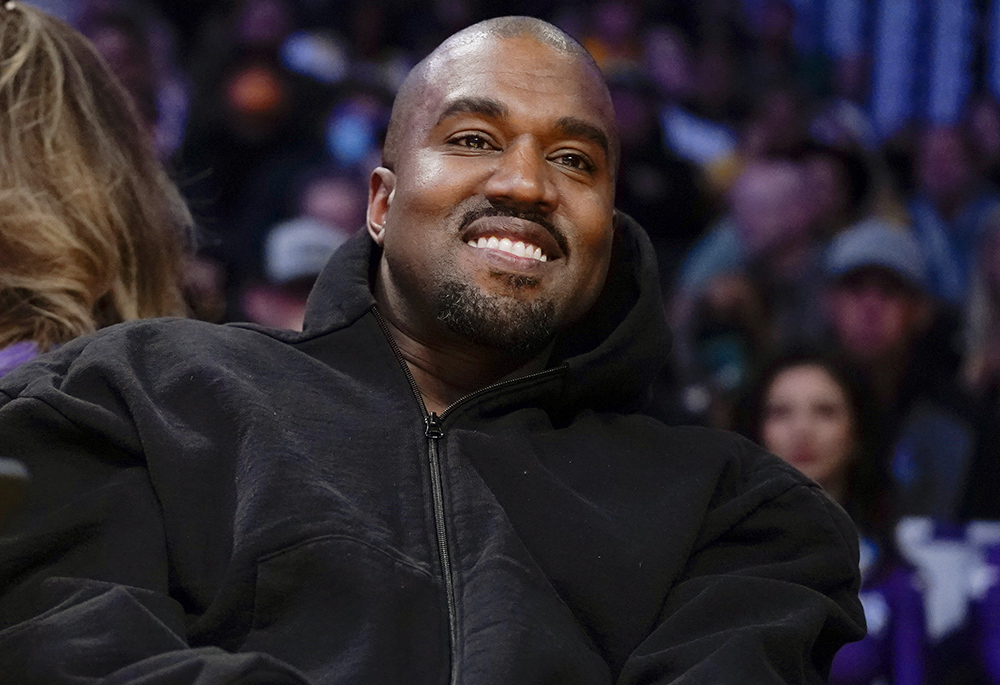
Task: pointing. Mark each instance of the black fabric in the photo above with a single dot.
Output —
(227, 504)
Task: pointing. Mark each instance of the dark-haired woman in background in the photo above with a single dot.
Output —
(813, 412)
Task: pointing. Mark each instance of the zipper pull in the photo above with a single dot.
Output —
(433, 428)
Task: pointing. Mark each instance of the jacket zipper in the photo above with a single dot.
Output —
(434, 431)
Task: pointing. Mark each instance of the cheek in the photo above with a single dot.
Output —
(592, 268)
(895, 323)
(835, 441)
(776, 437)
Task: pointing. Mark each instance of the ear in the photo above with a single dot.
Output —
(381, 189)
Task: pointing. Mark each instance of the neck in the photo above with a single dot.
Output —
(836, 487)
(448, 371)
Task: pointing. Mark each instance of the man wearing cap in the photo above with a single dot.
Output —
(881, 318)
(444, 478)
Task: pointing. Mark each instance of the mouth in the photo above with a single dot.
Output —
(803, 457)
(519, 238)
(518, 249)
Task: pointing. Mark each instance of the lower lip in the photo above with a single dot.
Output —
(803, 458)
(508, 261)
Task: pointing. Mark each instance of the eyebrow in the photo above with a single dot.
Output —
(488, 107)
(578, 128)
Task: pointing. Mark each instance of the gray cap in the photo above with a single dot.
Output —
(873, 242)
(299, 248)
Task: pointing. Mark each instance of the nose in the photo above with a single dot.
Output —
(871, 298)
(523, 178)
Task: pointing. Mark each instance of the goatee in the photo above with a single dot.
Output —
(498, 322)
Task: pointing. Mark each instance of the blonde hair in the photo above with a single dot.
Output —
(92, 230)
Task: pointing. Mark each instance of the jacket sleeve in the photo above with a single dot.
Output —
(769, 593)
(84, 579)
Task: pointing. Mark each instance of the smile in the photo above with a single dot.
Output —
(518, 249)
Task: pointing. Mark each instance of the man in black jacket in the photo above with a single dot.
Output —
(444, 478)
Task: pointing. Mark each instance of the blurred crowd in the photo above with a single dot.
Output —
(822, 195)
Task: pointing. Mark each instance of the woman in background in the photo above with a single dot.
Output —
(92, 230)
(814, 413)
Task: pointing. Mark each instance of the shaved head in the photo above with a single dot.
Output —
(424, 73)
(494, 206)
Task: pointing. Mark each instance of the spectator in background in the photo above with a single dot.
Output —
(983, 125)
(247, 108)
(121, 41)
(661, 191)
(349, 138)
(816, 413)
(776, 126)
(843, 120)
(331, 209)
(138, 47)
(880, 315)
(840, 185)
(750, 276)
(673, 65)
(981, 377)
(294, 254)
(777, 59)
(950, 209)
(92, 231)
(981, 359)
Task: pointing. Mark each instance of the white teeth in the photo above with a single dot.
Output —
(519, 249)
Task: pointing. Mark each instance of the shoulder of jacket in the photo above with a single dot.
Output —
(113, 351)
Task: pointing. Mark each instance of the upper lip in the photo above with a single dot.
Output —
(516, 230)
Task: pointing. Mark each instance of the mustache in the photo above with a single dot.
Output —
(493, 209)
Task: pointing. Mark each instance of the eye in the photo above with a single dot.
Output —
(829, 410)
(575, 160)
(776, 412)
(472, 141)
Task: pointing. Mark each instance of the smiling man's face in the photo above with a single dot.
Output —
(496, 219)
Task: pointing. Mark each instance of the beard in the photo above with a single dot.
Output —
(499, 322)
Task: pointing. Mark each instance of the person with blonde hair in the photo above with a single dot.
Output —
(92, 230)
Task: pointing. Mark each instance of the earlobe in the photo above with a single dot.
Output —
(381, 191)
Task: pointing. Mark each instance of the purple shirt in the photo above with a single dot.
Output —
(893, 649)
(14, 355)
(988, 615)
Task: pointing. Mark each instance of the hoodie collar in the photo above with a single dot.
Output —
(611, 355)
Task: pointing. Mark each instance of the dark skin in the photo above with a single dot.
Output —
(497, 121)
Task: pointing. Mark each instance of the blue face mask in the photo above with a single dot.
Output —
(349, 138)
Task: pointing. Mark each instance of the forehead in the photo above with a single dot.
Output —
(520, 72)
(802, 378)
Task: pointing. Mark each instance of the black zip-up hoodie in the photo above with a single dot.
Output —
(227, 504)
